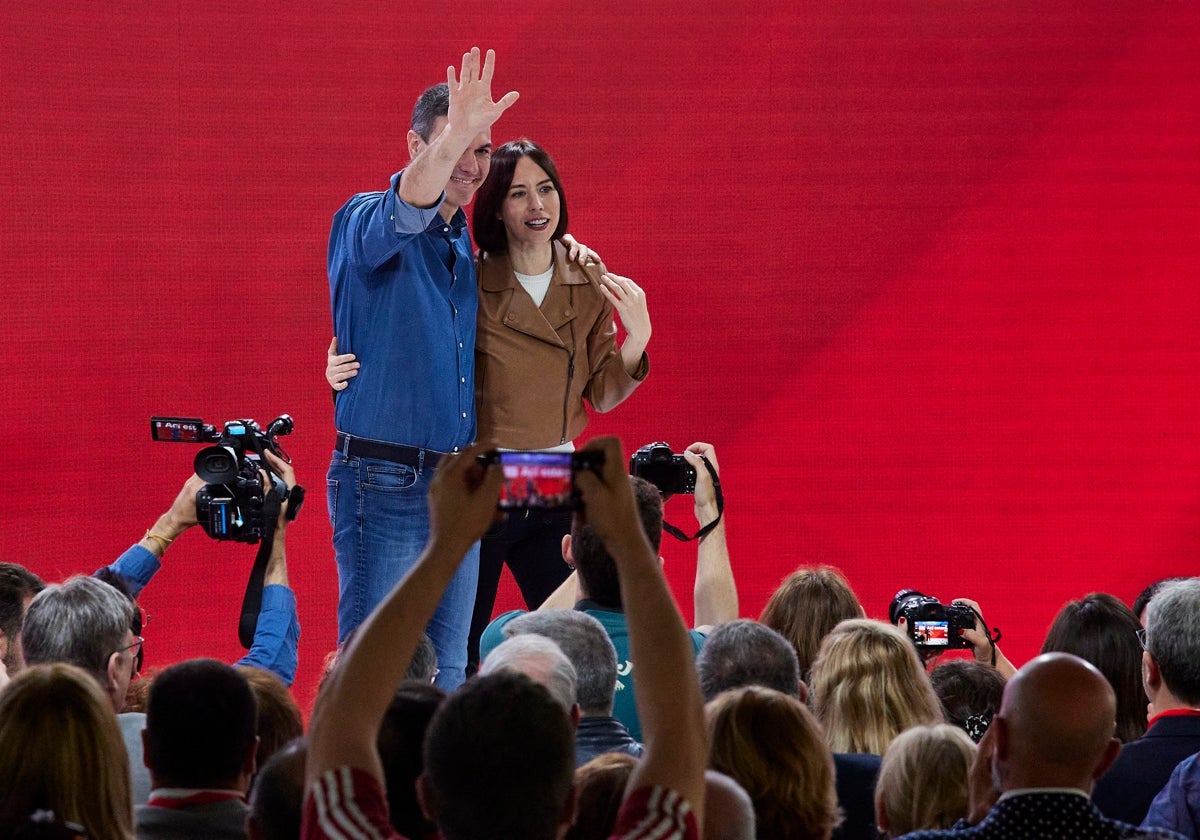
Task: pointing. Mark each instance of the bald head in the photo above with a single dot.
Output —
(1057, 721)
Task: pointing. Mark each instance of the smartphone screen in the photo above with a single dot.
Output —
(931, 633)
(536, 479)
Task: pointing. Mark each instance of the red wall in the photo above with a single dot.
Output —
(927, 274)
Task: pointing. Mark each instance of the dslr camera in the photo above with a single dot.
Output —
(230, 505)
(668, 471)
(931, 624)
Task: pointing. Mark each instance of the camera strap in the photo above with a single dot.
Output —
(252, 600)
(703, 532)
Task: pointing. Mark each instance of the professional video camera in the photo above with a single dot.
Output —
(932, 624)
(231, 505)
(666, 470)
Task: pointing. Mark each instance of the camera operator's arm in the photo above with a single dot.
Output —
(140, 562)
(345, 722)
(985, 650)
(715, 596)
(668, 692)
(277, 634)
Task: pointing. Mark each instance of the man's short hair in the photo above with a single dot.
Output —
(1173, 637)
(1143, 598)
(433, 103)
(200, 725)
(401, 735)
(424, 665)
(16, 585)
(277, 798)
(744, 652)
(81, 621)
(499, 760)
(541, 660)
(585, 642)
(595, 565)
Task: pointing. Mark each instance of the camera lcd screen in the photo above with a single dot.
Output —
(931, 633)
(536, 479)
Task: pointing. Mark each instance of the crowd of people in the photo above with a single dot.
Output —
(437, 719)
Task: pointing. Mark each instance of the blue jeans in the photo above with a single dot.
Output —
(380, 517)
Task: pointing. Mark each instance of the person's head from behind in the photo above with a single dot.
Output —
(583, 640)
(277, 798)
(86, 623)
(18, 586)
(279, 719)
(400, 740)
(201, 721)
(1146, 595)
(1102, 630)
(868, 686)
(809, 603)
(596, 567)
(970, 693)
(599, 788)
(1172, 640)
(923, 780)
(1055, 727)
(499, 761)
(428, 121)
(771, 745)
(522, 202)
(542, 661)
(61, 750)
(745, 652)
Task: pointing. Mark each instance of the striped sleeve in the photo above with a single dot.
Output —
(655, 813)
(346, 804)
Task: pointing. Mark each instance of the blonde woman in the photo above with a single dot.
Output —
(923, 780)
(868, 686)
(61, 751)
(771, 745)
(807, 605)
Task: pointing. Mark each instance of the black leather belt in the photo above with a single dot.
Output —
(410, 456)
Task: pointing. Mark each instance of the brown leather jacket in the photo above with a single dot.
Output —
(534, 366)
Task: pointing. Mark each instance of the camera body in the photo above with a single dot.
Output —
(541, 480)
(231, 504)
(932, 625)
(667, 470)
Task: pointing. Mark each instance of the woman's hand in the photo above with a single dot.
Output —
(629, 301)
(339, 369)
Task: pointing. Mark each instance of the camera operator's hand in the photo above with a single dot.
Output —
(981, 644)
(705, 500)
(463, 499)
(284, 470)
(180, 517)
(339, 368)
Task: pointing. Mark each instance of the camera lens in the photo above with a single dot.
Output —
(216, 465)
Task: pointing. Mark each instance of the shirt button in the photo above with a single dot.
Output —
(460, 345)
(455, 449)
(464, 415)
(462, 379)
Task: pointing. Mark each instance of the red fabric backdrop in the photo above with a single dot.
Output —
(926, 273)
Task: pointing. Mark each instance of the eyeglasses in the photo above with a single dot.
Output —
(136, 647)
(1141, 637)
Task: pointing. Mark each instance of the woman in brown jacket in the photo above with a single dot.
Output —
(545, 343)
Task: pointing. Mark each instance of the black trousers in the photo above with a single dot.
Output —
(530, 542)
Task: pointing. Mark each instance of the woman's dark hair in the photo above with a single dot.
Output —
(1102, 630)
(486, 225)
(970, 693)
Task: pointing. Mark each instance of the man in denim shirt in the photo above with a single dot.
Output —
(402, 287)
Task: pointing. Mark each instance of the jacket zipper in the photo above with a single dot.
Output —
(567, 394)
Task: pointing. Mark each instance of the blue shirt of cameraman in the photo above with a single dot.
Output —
(402, 288)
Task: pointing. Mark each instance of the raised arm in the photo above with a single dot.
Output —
(669, 703)
(471, 112)
(345, 724)
(715, 595)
